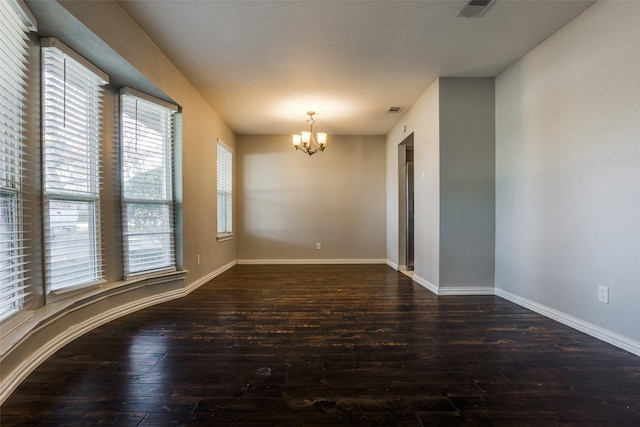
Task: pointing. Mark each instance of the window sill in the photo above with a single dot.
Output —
(15, 322)
(103, 286)
(72, 290)
(132, 278)
(17, 330)
(223, 237)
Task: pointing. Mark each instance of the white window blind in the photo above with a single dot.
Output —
(15, 22)
(72, 103)
(147, 126)
(225, 199)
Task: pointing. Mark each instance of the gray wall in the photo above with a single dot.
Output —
(467, 182)
(289, 201)
(454, 133)
(568, 174)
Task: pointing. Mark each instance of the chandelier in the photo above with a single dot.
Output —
(307, 141)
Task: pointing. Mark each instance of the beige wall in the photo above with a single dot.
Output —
(201, 128)
(104, 34)
(289, 201)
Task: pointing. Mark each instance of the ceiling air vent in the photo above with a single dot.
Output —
(394, 109)
(475, 8)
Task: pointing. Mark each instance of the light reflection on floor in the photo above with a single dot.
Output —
(407, 273)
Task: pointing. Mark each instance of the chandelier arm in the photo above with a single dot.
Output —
(309, 151)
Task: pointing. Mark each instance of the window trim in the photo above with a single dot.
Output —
(16, 289)
(228, 233)
(223, 237)
(52, 42)
(171, 202)
(93, 194)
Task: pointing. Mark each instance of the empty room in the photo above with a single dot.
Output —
(310, 212)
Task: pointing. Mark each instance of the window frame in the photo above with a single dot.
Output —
(224, 191)
(169, 177)
(82, 85)
(15, 290)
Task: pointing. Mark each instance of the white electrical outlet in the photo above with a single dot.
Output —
(603, 294)
(318, 245)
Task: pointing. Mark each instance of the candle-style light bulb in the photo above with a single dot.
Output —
(306, 137)
(322, 138)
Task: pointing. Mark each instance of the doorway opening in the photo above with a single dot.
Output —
(405, 205)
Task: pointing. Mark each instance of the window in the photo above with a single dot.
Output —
(71, 105)
(13, 51)
(147, 126)
(225, 199)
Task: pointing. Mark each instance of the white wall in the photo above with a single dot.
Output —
(289, 201)
(568, 173)
(422, 119)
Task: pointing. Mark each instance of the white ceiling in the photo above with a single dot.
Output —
(263, 64)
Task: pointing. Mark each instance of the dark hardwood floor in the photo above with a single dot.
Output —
(330, 345)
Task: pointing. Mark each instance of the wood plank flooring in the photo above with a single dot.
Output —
(330, 345)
